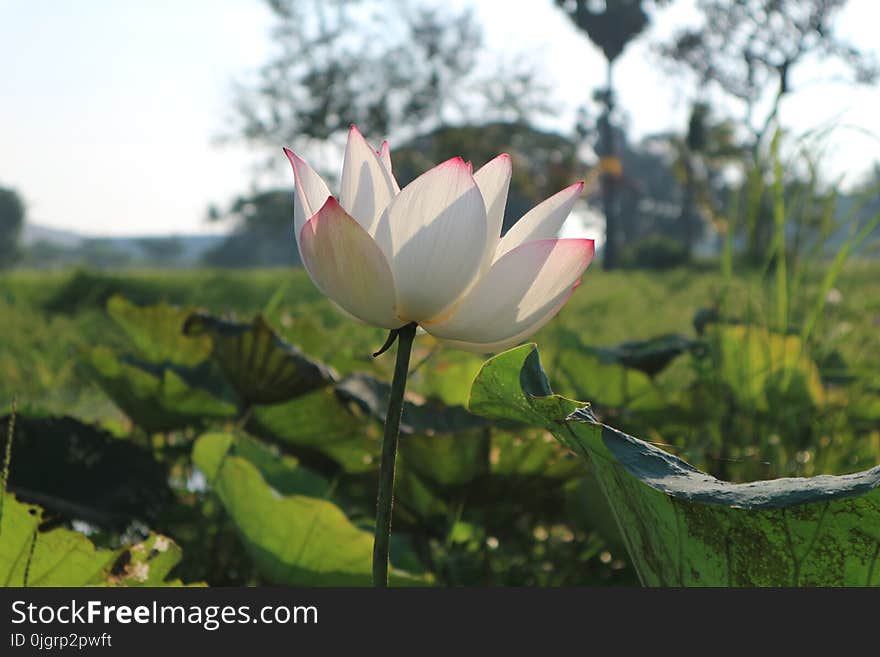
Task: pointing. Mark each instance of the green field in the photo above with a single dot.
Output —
(736, 401)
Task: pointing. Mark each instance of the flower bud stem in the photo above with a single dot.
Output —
(385, 497)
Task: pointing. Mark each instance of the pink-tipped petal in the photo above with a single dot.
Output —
(346, 265)
(310, 192)
(493, 179)
(385, 158)
(541, 222)
(366, 188)
(435, 239)
(522, 336)
(517, 292)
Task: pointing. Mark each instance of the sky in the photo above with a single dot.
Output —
(110, 109)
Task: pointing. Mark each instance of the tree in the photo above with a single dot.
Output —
(263, 234)
(749, 48)
(162, 250)
(610, 26)
(103, 253)
(393, 68)
(12, 212)
(699, 159)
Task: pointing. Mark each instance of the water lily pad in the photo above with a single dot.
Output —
(82, 472)
(648, 356)
(157, 332)
(158, 397)
(590, 373)
(683, 527)
(34, 553)
(263, 368)
(295, 539)
(424, 417)
(756, 363)
(322, 430)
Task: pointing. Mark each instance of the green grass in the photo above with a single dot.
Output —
(49, 320)
(39, 348)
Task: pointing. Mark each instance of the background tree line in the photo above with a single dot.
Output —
(419, 73)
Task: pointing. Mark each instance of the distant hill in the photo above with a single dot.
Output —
(48, 247)
(33, 233)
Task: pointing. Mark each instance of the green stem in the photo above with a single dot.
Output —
(385, 498)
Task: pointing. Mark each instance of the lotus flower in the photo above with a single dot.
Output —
(432, 252)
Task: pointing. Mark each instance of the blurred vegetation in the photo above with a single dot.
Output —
(743, 337)
(12, 212)
(477, 504)
(611, 26)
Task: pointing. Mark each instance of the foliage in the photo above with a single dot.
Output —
(610, 26)
(12, 211)
(683, 527)
(260, 366)
(261, 233)
(33, 552)
(70, 467)
(752, 47)
(657, 253)
(162, 250)
(411, 66)
(478, 502)
(613, 26)
(290, 537)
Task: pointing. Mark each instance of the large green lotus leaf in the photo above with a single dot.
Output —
(683, 527)
(263, 368)
(282, 472)
(33, 554)
(157, 332)
(320, 426)
(147, 563)
(449, 459)
(82, 472)
(756, 363)
(415, 500)
(593, 374)
(649, 356)
(158, 397)
(444, 445)
(867, 407)
(525, 455)
(446, 374)
(422, 417)
(295, 539)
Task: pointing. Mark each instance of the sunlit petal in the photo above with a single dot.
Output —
(310, 192)
(435, 237)
(366, 187)
(493, 179)
(541, 222)
(522, 336)
(347, 266)
(519, 290)
(385, 158)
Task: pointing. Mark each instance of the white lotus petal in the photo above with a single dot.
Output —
(541, 222)
(522, 336)
(434, 236)
(348, 266)
(366, 188)
(385, 158)
(310, 193)
(518, 290)
(493, 179)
